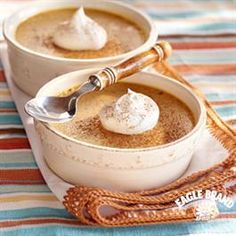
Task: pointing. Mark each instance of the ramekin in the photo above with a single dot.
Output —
(119, 169)
(31, 70)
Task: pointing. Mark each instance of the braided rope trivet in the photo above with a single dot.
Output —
(158, 205)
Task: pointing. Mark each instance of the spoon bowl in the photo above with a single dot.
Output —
(56, 109)
(49, 109)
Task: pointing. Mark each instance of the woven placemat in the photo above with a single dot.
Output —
(158, 205)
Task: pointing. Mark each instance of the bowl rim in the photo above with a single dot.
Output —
(200, 122)
(151, 37)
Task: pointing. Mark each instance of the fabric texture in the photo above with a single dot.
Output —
(203, 35)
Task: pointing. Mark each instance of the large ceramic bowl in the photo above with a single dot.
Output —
(31, 70)
(81, 163)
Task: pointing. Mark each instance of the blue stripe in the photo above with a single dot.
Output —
(215, 26)
(20, 164)
(10, 119)
(218, 227)
(220, 96)
(34, 212)
(166, 15)
(183, 14)
(7, 104)
(226, 110)
(223, 208)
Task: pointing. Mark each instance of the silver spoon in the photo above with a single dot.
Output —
(61, 109)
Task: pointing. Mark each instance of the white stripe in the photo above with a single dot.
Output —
(173, 30)
(213, 78)
(16, 150)
(223, 85)
(225, 105)
(189, 39)
(220, 91)
(9, 113)
(208, 52)
(11, 126)
(229, 117)
(4, 136)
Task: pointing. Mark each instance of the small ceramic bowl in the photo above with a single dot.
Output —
(118, 169)
(31, 70)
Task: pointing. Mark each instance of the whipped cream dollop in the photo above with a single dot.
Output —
(80, 33)
(132, 113)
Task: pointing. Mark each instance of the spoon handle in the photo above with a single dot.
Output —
(110, 75)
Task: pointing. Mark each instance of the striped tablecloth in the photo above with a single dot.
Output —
(203, 34)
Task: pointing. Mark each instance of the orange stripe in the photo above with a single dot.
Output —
(14, 143)
(223, 102)
(22, 183)
(231, 122)
(2, 77)
(12, 131)
(203, 45)
(25, 174)
(8, 110)
(206, 69)
(227, 216)
(39, 221)
(19, 198)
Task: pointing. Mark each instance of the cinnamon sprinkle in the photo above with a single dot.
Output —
(176, 120)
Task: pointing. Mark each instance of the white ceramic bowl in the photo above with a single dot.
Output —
(114, 168)
(31, 70)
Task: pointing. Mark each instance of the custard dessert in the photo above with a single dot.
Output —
(36, 33)
(175, 119)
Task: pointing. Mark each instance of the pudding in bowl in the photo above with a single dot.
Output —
(175, 120)
(84, 160)
(35, 59)
(36, 33)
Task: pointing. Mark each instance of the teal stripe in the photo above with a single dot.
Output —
(184, 14)
(10, 119)
(226, 110)
(20, 157)
(167, 15)
(34, 212)
(216, 26)
(223, 208)
(14, 188)
(17, 165)
(7, 104)
(211, 227)
(220, 96)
